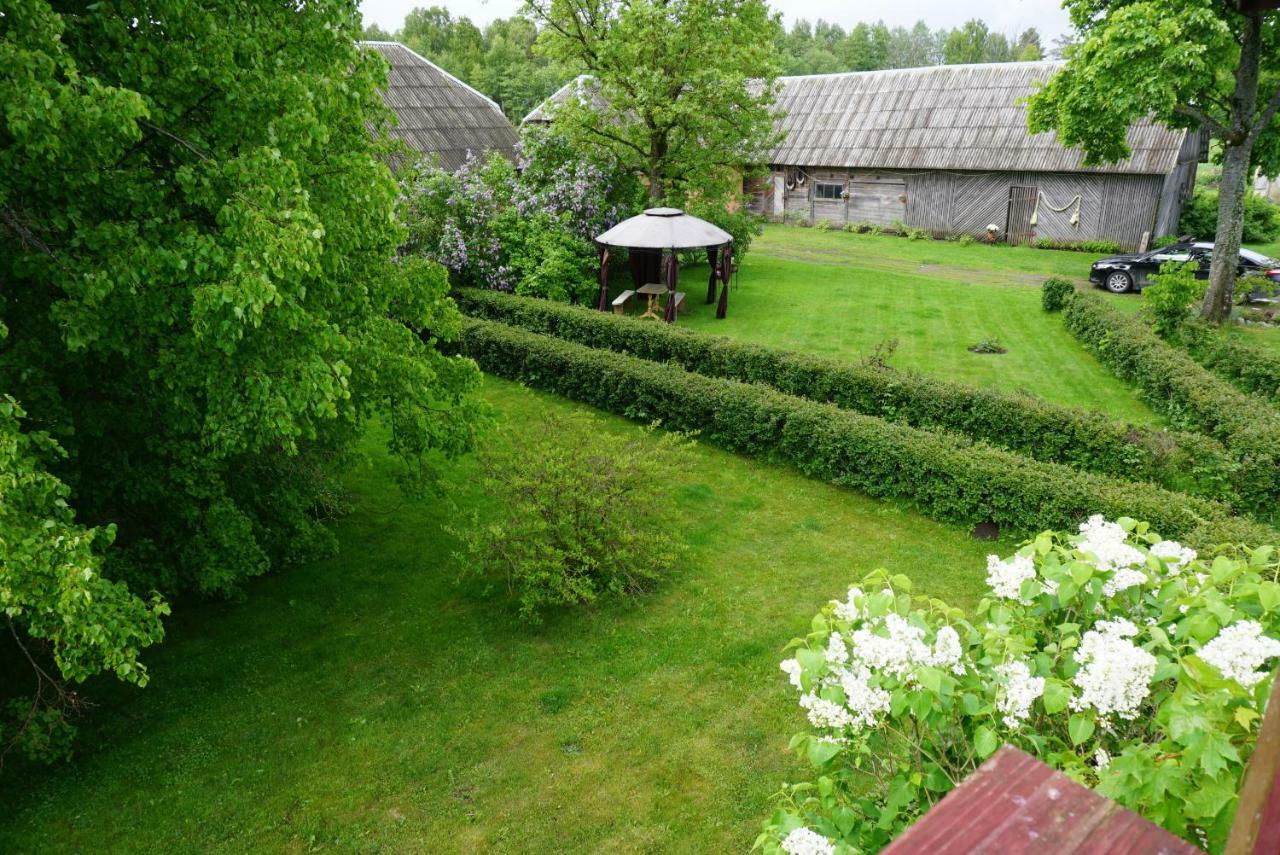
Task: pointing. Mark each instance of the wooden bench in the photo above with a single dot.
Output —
(620, 302)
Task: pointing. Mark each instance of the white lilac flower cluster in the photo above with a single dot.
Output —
(804, 841)
(1174, 555)
(1115, 674)
(882, 647)
(1019, 693)
(1005, 578)
(1238, 650)
(1106, 542)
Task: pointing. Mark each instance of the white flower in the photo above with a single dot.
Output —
(1238, 650)
(866, 703)
(1020, 692)
(1105, 541)
(802, 841)
(1174, 554)
(1116, 674)
(792, 669)
(824, 713)
(1005, 578)
(1101, 758)
(854, 608)
(837, 653)
(1122, 580)
(946, 650)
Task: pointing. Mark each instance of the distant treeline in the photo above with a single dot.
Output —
(501, 62)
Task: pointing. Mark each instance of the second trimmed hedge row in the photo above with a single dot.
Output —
(1249, 367)
(1180, 461)
(1186, 392)
(948, 477)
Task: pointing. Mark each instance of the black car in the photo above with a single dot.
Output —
(1122, 273)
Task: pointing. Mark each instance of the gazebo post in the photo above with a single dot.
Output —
(726, 268)
(673, 273)
(713, 255)
(603, 301)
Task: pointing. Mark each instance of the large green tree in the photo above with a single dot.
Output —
(1187, 63)
(204, 299)
(681, 88)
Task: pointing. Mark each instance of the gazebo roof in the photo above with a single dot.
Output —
(664, 228)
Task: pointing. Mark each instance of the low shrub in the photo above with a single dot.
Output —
(1170, 296)
(583, 515)
(823, 225)
(1100, 247)
(1124, 660)
(1054, 294)
(966, 240)
(946, 476)
(1187, 393)
(1247, 366)
(1021, 423)
(1261, 217)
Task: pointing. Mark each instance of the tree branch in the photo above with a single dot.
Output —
(1268, 113)
(1201, 116)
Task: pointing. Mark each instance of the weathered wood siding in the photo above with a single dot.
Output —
(1119, 208)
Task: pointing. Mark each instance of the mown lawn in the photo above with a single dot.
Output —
(842, 295)
(369, 703)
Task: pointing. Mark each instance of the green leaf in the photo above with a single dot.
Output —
(1056, 696)
(820, 751)
(985, 742)
(1080, 727)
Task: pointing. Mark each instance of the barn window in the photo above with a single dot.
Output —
(828, 190)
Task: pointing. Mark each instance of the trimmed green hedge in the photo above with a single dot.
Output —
(948, 477)
(1021, 423)
(1246, 366)
(1189, 394)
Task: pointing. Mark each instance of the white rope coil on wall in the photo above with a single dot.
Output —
(1075, 215)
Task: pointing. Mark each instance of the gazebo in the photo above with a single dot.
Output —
(653, 241)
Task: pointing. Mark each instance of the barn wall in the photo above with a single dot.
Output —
(1119, 208)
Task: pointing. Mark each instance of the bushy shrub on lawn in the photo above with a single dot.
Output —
(947, 476)
(1200, 217)
(584, 514)
(1021, 423)
(1054, 294)
(1122, 659)
(1170, 296)
(1187, 393)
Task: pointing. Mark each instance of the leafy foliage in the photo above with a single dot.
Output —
(1245, 365)
(1170, 296)
(1055, 293)
(1186, 393)
(583, 515)
(1101, 247)
(198, 239)
(1019, 423)
(527, 230)
(54, 596)
(1261, 217)
(1123, 660)
(946, 476)
(678, 93)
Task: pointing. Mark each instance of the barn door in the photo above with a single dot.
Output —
(1022, 204)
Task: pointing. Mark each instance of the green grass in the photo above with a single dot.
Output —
(369, 703)
(841, 295)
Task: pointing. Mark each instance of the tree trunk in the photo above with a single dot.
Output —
(1220, 297)
(657, 155)
(1237, 150)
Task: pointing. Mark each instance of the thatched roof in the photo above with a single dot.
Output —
(963, 117)
(439, 114)
(941, 117)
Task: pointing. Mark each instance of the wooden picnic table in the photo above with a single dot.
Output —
(653, 293)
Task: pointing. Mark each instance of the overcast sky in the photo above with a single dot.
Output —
(1006, 16)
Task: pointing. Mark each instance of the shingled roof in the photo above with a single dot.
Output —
(963, 117)
(941, 117)
(439, 114)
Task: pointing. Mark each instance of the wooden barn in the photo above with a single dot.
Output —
(437, 113)
(946, 149)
